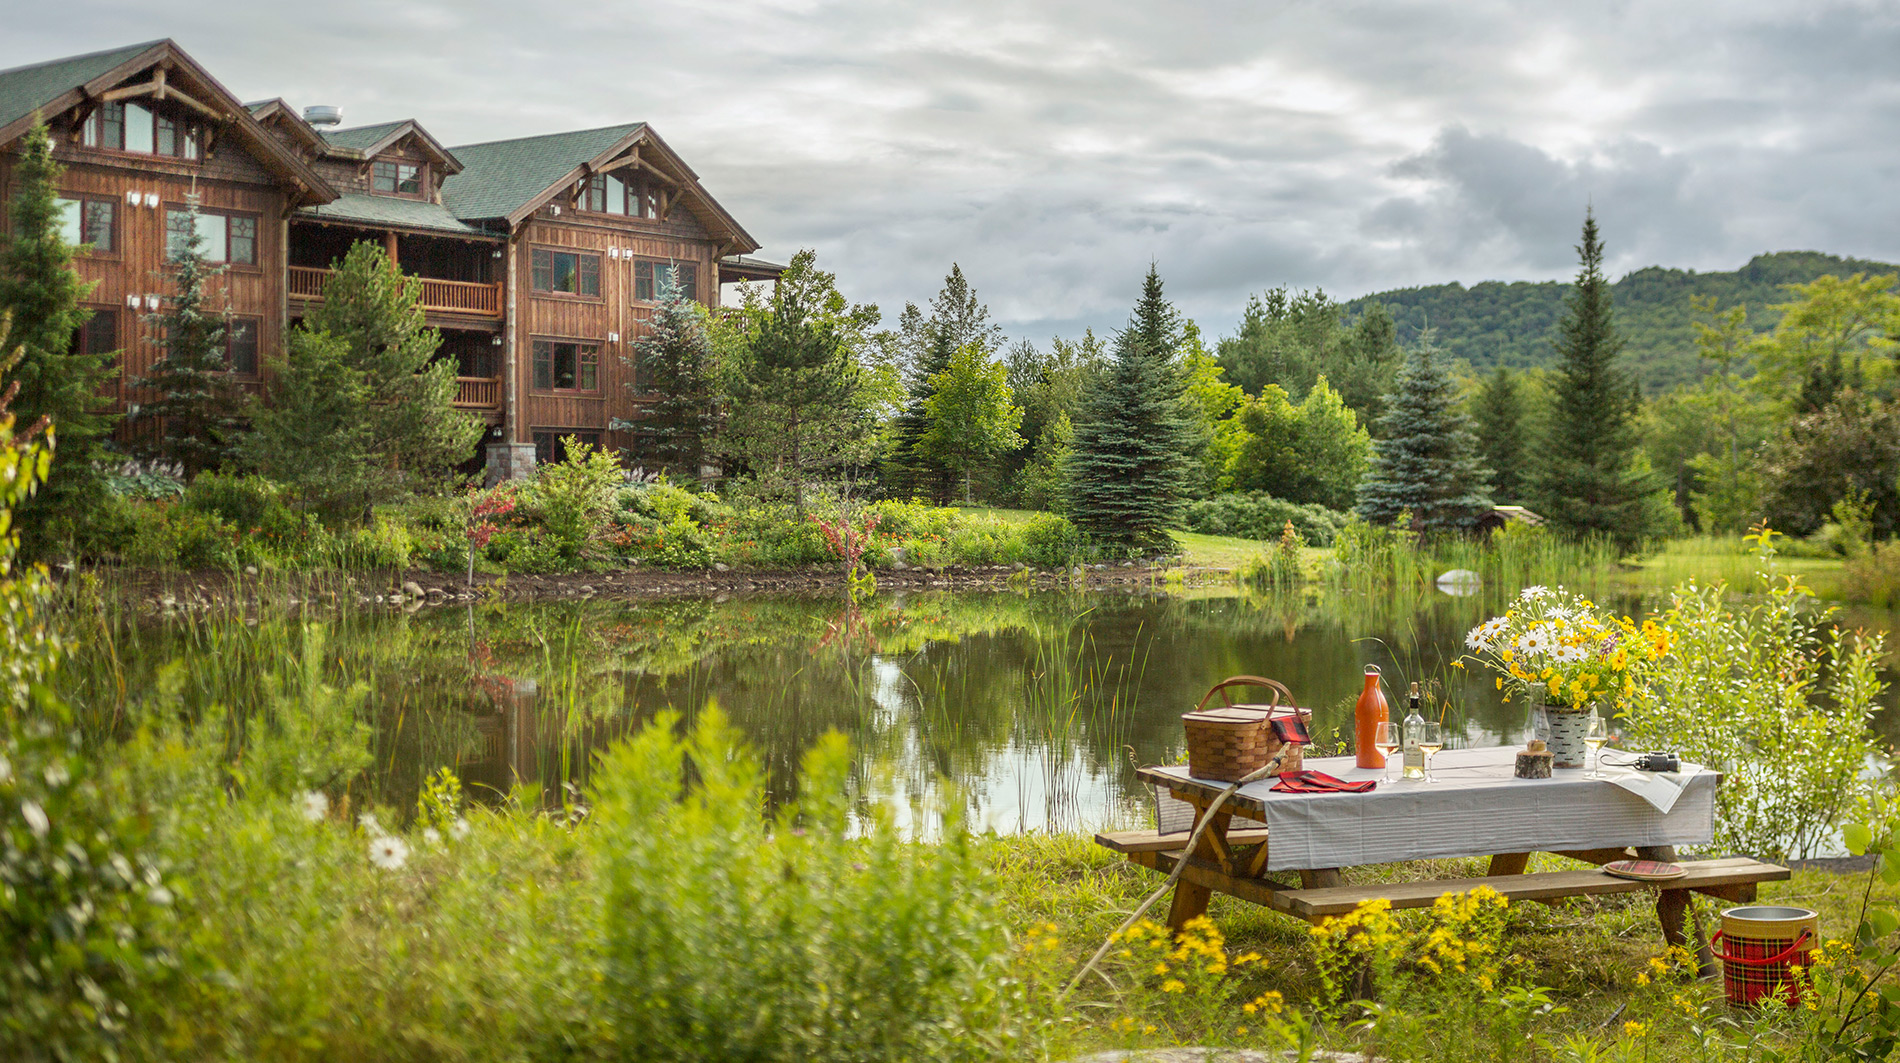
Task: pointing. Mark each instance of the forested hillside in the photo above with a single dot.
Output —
(1514, 323)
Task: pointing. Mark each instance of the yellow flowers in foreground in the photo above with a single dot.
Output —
(1458, 942)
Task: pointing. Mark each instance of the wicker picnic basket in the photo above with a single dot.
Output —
(1233, 741)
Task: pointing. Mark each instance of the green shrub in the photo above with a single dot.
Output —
(385, 544)
(1259, 515)
(831, 943)
(1050, 540)
(245, 501)
(530, 551)
(664, 503)
(912, 520)
(1874, 576)
(682, 544)
(173, 536)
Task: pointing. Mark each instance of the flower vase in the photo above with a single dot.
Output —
(1562, 727)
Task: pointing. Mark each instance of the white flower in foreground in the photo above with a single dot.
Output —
(1534, 642)
(314, 804)
(1558, 612)
(1535, 591)
(6, 771)
(36, 820)
(388, 853)
(1477, 640)
(370, 824)
(458, 829)
(432, 836)
(57, 775)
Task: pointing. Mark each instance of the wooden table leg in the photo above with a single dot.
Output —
(1671, 907)
(1508, 864)
(1190, 899)
(1321, 879)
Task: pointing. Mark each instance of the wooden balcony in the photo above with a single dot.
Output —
(477, 393)
(438, 296)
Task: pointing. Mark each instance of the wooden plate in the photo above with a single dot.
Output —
(1645, 870)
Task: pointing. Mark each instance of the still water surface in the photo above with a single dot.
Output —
(1035, 707)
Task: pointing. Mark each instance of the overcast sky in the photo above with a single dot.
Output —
(1055, 147)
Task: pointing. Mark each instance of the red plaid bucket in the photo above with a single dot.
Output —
(1760, 946)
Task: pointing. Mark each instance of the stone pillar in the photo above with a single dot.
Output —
(509, 461)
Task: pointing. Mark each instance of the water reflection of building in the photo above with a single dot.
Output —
(535, 741)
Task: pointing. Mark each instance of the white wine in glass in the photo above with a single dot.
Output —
(1596, 734)
(1385, 739)
(1431, 739)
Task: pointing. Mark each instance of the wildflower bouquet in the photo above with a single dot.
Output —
(1557, 649)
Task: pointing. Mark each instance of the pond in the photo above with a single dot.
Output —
(1034, 706)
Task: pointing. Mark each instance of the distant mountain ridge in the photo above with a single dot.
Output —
(1515, 323)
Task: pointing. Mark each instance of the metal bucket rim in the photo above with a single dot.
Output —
(1769, 913)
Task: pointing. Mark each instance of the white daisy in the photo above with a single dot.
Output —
(432, 836)
(36, 820)
(1477, 640)
(388, 853)
(57, 775)
(370, 824)
(1568, 654)
(1535, 642)
(458, 829)
(1535, 591)
(1558, 612)
(314, 804)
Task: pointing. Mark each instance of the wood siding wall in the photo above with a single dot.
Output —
(229, 180)
(589, 320)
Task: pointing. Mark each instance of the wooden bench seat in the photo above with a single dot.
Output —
(1732, 879)
(1153, 841)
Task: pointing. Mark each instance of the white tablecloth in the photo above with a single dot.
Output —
(1476, 808)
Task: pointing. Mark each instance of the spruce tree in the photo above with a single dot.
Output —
(310, 433)
(1498, 416)
(199, 406)
(1133, 460)
(1587, 482)
(42, 293)
(956, 318)
(416, 434)
(1426, 461)
(675, 367)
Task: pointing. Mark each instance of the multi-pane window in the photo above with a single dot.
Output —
(650, 280)
(397, 178)
(240, 345)
(570, 272)
(136, 127)
(561, 365)
(609, 193)
(228, 237)
(100, 333)
(89, 220)
(550, 446)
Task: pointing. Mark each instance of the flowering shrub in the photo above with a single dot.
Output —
(1559, 648)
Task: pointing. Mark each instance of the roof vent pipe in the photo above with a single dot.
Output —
(323, 116)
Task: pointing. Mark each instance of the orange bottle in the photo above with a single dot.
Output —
(1366, 717)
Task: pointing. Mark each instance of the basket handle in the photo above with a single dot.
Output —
(1785, 956)
(1221, 688)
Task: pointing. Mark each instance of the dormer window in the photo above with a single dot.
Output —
(399, 179)
(609, 193)
(138, 128)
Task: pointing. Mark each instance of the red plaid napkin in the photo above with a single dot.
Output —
(1318, 782)
(1290, 729)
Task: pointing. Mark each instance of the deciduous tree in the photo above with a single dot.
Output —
(1314, 452)
(971, 419)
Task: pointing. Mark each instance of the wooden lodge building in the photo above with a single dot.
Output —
(538, 258)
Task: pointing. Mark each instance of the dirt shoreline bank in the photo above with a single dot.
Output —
(161, 591)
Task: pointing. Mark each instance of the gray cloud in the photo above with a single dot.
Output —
(1055, 147)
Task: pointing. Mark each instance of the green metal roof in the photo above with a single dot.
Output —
(500, 176)
(360, 209)
(360, 137)
(25, 89)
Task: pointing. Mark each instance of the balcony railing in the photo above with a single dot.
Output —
(448, 297)
(478, 392)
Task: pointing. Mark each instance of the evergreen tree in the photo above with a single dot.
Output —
(42, 293)
(310, 433)
(971, 417)
(1427, 459)
(1587, 482)
(1133, 461)
(1498, 416)
(416, 434)
(956, 319)
(674, 364)
(199, 406)
(796, 393)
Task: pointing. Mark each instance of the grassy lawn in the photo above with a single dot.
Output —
(1217, 551)
(1709, 559)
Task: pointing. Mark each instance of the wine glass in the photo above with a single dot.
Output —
(1385, 738)
(1431, 739)
(1596, 733)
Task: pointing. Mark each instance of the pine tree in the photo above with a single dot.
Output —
(1133, 460)
(1498, 415)
(956, 318)
(199, 406)
(42, 293)
(1426, 461)
(675, 365)
(1587, 482)
(415, 432)
(971, 417)
(310, 433)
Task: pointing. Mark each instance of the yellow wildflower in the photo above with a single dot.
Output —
(1633, 1028)
(1173, 985)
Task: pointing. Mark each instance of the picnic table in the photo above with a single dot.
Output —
(1260, 841)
